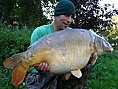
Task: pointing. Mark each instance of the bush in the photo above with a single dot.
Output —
(11, 41)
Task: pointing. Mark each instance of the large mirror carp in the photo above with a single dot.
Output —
(65, 51)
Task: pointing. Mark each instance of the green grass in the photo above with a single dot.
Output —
(104, 74)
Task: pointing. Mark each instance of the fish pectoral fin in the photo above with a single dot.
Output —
(93, 58)
(19, 74)
(77, 73)
(68, 76)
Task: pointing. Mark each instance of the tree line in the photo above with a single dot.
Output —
(31, 13)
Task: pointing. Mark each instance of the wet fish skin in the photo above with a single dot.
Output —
(65, 51)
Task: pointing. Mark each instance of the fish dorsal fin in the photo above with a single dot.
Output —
(19, 74)
(77, 73)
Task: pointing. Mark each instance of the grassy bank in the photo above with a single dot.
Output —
(104, 74)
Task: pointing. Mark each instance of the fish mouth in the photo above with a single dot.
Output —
(111, 50)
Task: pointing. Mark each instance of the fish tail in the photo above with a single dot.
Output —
(12, 61)
(19, 74)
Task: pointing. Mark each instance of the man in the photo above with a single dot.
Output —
(39, 77)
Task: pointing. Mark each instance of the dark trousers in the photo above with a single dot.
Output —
(51, 81)
(44, 81)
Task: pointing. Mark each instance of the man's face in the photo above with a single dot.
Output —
(63, 21)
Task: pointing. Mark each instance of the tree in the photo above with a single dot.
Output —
(90, 15)
(6, 7)
(112, 32)
(24, 12)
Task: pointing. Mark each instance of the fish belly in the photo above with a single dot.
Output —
(63, 60)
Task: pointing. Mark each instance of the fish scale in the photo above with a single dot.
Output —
(66, 51)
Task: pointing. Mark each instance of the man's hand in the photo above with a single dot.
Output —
(43, 66)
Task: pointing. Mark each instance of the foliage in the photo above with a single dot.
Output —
(13, 41)
(90, 15)
(23, 11)
(32, 13)
(104, 73)
(111, 33)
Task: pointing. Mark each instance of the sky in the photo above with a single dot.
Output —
(102, 2)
